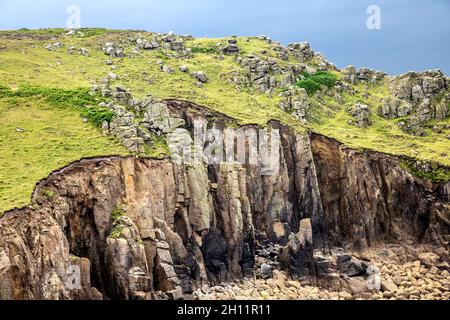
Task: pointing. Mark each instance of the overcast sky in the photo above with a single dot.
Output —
(414, 35)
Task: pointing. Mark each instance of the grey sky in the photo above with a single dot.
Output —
(415, 34)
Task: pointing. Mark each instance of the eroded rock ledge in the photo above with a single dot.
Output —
(144, 229)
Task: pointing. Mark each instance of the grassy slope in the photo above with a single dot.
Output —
(383, 135)
(62, 137)
(52, 139)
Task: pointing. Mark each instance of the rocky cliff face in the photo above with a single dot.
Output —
(369, 200)
(129, 228)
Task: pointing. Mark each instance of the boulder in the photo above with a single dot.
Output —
(114, 51)
(361, 113)
(184, 69)
(177, 45)
(266, 271)
(388, 285)
(157, 116)
(84, 52)
(230, 49)
(169, 37)
(297, 258)
(152, 44)
(259, 73)
(176, 294)
(350, 266)
(200, 76)
(429, 259)
(303, 50)
(168, 70)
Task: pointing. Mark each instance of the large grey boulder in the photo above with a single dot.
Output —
(84, 52)
(183, 68)
(113, 50)
(366, 75)
(177, 45)
(260, 72)
(266, 271)
(169, 37)
(414, 87)
(350, 74)
(200, 76)
(361, 114)
(296, 102)
(351, 266)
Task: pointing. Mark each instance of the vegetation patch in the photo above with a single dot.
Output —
(116, 214)
(312, 82)
(158, 148)
(79, 33)
(49, 194)
(205, 50)
(116, 232)
(97, 115)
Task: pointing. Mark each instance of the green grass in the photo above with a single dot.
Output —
(52, 138)
(77, 99)
(313, 82)
(207, 50)
(82, 33)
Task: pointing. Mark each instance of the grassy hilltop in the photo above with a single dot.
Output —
(43, 95)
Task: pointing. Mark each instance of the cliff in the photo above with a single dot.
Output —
(139, 226)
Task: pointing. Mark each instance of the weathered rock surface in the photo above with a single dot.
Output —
(361, 114)
(420, 97)
(186, 226)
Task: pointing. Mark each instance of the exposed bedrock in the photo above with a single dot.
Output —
(129, 228)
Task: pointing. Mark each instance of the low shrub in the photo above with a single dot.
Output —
(98, 115)
(312, 82)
